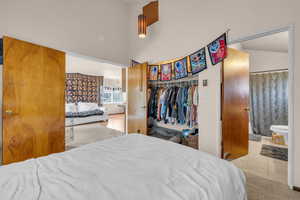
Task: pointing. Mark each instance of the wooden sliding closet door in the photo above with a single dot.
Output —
(137, 99)
(33, 101)
(235, 104)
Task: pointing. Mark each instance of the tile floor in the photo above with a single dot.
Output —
(266, 177)
(266, 167)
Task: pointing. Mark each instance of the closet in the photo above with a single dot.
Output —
(33, 100)
(173, 110)
(164, 109)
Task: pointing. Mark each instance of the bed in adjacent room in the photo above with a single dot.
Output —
(133, 167)
(84, 113)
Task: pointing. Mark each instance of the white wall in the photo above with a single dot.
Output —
(209, 111)
(185, 27)
(112, 74)
(91, 66)
(267, 60)
(97, 28)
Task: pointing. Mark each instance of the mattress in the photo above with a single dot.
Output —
(85, 120)
(133, 167)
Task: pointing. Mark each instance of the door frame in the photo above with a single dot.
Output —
(291, 68)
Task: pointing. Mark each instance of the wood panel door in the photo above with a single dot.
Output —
(137, 99)
(33, 101)
(235, 104)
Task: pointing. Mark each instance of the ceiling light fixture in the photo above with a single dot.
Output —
(142, 26)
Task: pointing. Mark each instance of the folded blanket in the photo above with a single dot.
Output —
(84, 113)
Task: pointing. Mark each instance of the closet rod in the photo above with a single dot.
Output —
(187, 79)
(274, 70)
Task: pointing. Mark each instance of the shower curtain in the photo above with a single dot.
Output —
(268, 101)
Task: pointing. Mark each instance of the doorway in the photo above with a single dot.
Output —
(270, 105)
(94, 100)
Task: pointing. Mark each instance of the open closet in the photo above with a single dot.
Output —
(167, 109)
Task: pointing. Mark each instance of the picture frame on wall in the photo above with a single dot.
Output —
(166, 72)
(198, 61)
(218, 49)
(180, 68)
(154, 72)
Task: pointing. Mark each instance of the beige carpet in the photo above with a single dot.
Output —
(89, 133)
(259, 188)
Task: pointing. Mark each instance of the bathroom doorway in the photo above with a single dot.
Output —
(268, 111)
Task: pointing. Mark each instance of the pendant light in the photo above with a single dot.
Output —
(142, 26)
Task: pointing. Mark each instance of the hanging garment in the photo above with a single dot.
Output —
(174, 105)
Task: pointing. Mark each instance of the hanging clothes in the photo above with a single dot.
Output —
(175, 105)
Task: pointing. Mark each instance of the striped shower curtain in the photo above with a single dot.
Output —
(268, 101)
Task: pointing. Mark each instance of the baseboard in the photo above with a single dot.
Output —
(296, 188)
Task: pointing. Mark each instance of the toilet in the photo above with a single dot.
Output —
(281, 130)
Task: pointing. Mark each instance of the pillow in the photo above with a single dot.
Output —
(71, 107)
(82, 107)
(102, 108)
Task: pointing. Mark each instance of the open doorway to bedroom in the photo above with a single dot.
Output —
(94, 100)
(268, 109)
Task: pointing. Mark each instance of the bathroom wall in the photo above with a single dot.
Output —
(267, 60)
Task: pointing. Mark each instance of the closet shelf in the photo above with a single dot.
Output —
(187, 79)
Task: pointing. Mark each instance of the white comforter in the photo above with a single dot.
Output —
(131, 167)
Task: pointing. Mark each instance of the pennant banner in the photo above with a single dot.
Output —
(218, 49)
(180, 68)
(166, 72)
(154, 72)
(192, 64)
(198, 61)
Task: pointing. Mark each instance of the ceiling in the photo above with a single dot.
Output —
(137, 1)
(277, 42)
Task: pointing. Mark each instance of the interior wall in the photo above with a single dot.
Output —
(97, 28)
(264, 60)
(185, 27)
(267, 60)
(91, 66)
(209, 115)
(85, 65)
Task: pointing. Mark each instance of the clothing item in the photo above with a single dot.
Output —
(174, 105)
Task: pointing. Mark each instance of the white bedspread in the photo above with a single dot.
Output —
(133, 167)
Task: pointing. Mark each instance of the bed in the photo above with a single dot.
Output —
(133, 167)
(84, 113)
